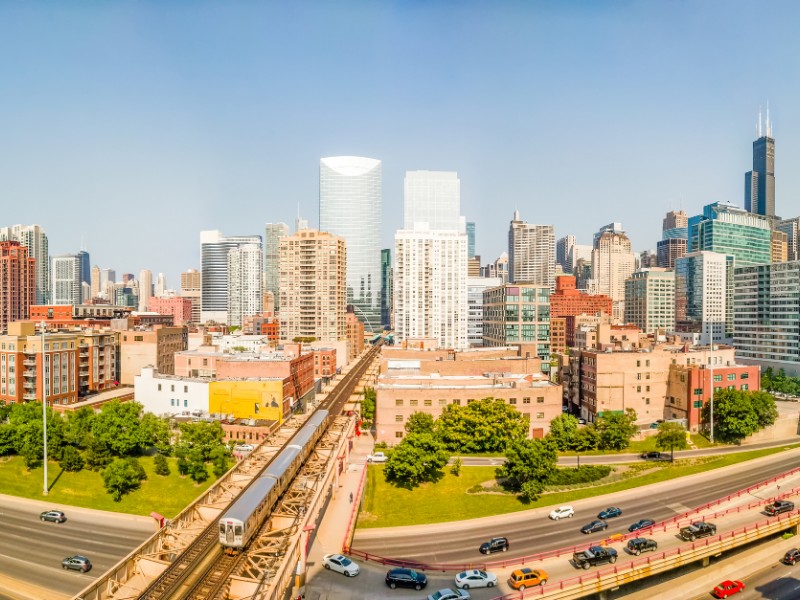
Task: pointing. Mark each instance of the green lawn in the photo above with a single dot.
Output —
(447, 499)
(165, 495)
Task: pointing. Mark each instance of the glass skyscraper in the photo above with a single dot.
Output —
(350, 207)
(727, 229)
(470, 239)
(759, 184)
(386, 286)
(272, 243)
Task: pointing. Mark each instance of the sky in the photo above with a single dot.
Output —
(126, 128)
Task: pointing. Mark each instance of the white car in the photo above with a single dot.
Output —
(475, 578)
(377, 457)
(561, 512)
(340, 564)
(244, 448)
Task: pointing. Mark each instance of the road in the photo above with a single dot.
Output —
(31, 551)
(530, 532)
(776, 582)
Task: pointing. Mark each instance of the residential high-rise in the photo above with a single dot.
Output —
(475, 288)
(498, 268)
(386, 287)
(613, 261)
(161, 286)
(564, 247)
(727, 229)
(65, 271)
(313, 286)
(517, 314)
(17, 282)
(34, 239)
(790, 227)
(191, 282)
(273, 233)
(214, 250)
(650, 300)
(245, 297)
(759, 184)
(145, 288)
(675, 224)
(434, 198)
(701, 295)
(350, 207)
(95, 282)
(470, 239)
(779, 246)
(531, 253)
(669, 250)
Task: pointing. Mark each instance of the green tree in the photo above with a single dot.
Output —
(563, 431)
(202, 437)
(8, 439)
(419, 457)
(671, 436)
(420, 422)
(98, 455)
(118, 425)
(764, 406)
(528, 460)
(488, 425)
(530, 490)
(734, 416)
(71, 459)
(197, 469)
(616, 429)
(587, 438)
(219, 460)
(78, 427)
(160, 465)
(154, 431)
(368, 405)
(123, 476)
(30, 442)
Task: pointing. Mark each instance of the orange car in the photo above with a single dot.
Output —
(525, 578)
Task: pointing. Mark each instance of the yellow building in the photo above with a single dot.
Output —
(247, 398)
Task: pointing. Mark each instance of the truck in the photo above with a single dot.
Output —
(696, 530)
(377, 457)
(778, 507)
(595, 555)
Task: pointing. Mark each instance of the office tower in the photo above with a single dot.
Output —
(95, 281)
(675, 224)
(766, 312)
(579, 252)
(475, 316)
(646, 259)
(474, 266)
(650, 300)
(727, 229)
(471, 239)
(386, 287)
(128, 278)
(701, 295)
(613, 262)
(214, 250)
(759, 184)
(107, 275)
(161, 286)
(531, 253)
(244, 283)
(790, 228)
(145, 288)
(563, 252)
(498, 268)
(517, 314)
(17, 282)
(779, 247)
(300, 223)
(34, 239)
(85, 268)
(350, 207)
(313, 286)
(273, 232)
(190, 288)
(430, 276)
(66, 284)
(669, 250)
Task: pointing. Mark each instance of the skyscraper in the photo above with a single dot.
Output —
(531, 253)
(145, 288)
(34, 239)
(564, 247)
(470, 239)
(214, 250)
(386, 286)
(66, 285)
(350, 199)
(18, 282)
(791, 227)
(701, 298)
(244, 283)
(727, 229)
(759, 184)
(191, 282)
(273, 232)
(434, 198)
(85, 267)
(650, 299)
(161, 285)
(613, 262)
(95, 282)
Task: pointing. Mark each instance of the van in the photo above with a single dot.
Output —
(525, 578)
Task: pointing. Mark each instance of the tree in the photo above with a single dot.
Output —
(160, 465)
(528, 460)
(123, 476)
(117, 426)
(202, 437)
(671, 436)
(30, 442)
(8, 436)
(420, 422)
(71, 459)
(616, 429)
(764, 406)
(98, 455)
(368, 405)
(488, 425)
(587, 438)
(78, 427)
(563, 431)
(197, 469)
(735, 416)
(154, 431)
(419, 457)
(219, 459)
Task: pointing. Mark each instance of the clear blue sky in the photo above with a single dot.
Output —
(135, 125)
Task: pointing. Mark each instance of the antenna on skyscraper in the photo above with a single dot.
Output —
(769, 125)
(759, 121)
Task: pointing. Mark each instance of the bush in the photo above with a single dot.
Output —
(160, 465)
(585, 474)
(183, 465)
(71, 459)
(455, 468)
(530, 490)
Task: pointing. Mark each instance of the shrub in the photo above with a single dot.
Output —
(71, 459)
(586, 474)
(455, 468)
(160, 465)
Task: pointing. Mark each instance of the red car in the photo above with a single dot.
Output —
(728, 588)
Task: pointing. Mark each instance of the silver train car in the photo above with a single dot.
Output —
(239, 523)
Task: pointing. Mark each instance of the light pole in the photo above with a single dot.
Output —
(43, 325)
(711, 378)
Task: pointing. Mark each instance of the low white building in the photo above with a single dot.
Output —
(168, 395)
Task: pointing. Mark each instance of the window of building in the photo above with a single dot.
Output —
(647, 375)
(745, 376)
(540, 415)
(428, 402)
(172, 388)
(526, 400)
(138, 338)
(413, 402)
(442, 402)
(638, 363)
(647, 400)
(638, 388)
(731, 376)
(717, 377)
(457, 402)
(540, 399)
(186, 389)
(205, 362)
(398, 418)
(512, 400)
(697, 404)
(647, 388)
(185, 403)
(745, 387)
(639, 376)
(398, 402)
(647, 363)
(159, 387)
(398, 434)
(698, 391)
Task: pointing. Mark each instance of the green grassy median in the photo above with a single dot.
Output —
(447, 500)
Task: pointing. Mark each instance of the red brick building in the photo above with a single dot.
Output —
(568, 301)
(179, 307)
(324, 362)
(17, 283)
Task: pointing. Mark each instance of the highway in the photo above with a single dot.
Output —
(530, 532)
(776, 582)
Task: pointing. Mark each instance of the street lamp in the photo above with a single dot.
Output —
(43, 325)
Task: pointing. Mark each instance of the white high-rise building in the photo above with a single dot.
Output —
(245, 297)
(145, 288)
(475, 289)
(66, 284)
(430, 273)
(161, 285)
(214, 250)
(34, 239)
(273, 233)
(613, 262)
(701, 294)
(531, 253)
(350, 192)
(650, 299)
(564, 247)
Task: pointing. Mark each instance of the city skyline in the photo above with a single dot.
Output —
(535, 107)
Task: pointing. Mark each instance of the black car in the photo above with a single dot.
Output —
(56, 516)
(594, 526)
(638, 545)
(791, 557)
(406, 578)
(610, 512)
(641, 524)
(498, 544)
(651, 455)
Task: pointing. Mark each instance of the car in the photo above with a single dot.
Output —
(340, 564)
(561, 512)
(56, 516)
(594, 526)
(778, 507)
(475, 578)
(638, 545)
(595, 555)
(651, 455)
(377, 457)
(728, 588)
(641, 524)
(77, 563)
(581, 421)
(609, 513)
(244, 448)
(791, 557)
(496, 544)
(448, 594)
(700, 529)
(408, 578)
(525, 577)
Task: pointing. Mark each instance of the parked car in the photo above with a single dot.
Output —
(595, 555)
(638, 545)
(56, 516)
(696, 530)
(651, 455)
(340, 564)
(475, 578)
(525, 578)
(561, 512)
(778, 507)
(448, 594)
(244, 448)
(594, 526)
(408, 578)
(497, 544)
(609, 513)
(377, 457)
(641, 524)
(77, 563)
(791, 557)
(728, 588)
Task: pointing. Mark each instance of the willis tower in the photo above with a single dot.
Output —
(759, 184)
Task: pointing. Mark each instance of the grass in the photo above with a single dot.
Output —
(447, 500)
(165, 495)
